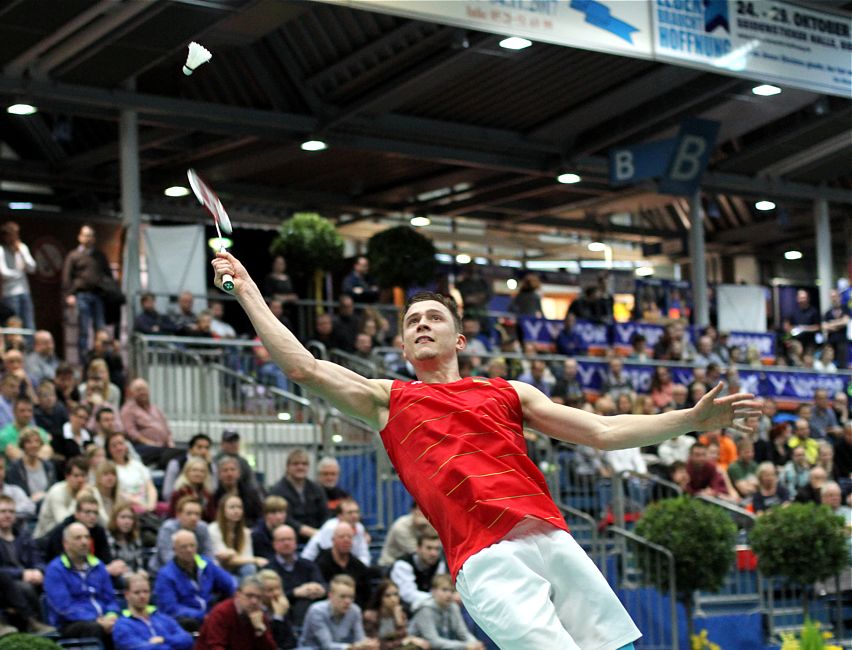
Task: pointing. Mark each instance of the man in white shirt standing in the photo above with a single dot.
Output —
(16, 263)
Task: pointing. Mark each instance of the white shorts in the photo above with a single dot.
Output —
(536, 589)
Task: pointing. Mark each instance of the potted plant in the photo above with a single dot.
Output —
(802, 542)
(700, 537)
(401, 257)
(27, 642)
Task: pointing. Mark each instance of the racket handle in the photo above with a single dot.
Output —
(228, 282)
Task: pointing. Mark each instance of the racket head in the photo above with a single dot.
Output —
(210, 200)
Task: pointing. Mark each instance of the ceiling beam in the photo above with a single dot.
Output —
(808, 155)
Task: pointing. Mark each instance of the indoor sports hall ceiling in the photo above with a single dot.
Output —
(420, 118)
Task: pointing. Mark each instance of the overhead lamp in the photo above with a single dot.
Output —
(284, 416)
(22, 109)
(597, 246)
(20, 205)
(313, 145)
(420, 222)
(511, 284)
(176, 191)
(569, 178)
(515, 43)
(643, 271)
(766, 90)
(763, 206)
(793, 255)
(463, 258)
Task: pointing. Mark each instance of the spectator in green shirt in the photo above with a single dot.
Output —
(22, 413)
(743, 471)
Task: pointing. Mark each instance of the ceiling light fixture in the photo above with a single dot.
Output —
(793, 255)
(511, 284)
(20, 205)
(22, 109)
(763, 206)
(766, 90)
(643, 271)
(176, 191)
(420, 222)
(313, 145)
(463, 258)
(515, 43)
(569, 179)
(597, 246)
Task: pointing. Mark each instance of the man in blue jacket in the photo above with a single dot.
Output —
(187, 585)
(141, 626)
(80, 597)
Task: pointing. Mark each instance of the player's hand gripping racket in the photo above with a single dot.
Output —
(207, 197)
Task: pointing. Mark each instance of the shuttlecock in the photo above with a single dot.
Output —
(198, 55)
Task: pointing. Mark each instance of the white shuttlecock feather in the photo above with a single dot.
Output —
(198, 55)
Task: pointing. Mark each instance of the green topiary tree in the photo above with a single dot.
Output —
(27, 642)
(701, 538)
(801, 542)
(311, 245)
(401, 257)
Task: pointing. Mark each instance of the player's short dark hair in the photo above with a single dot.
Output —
(447, 301)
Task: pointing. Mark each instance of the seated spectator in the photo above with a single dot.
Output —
(239, 622)
(143, 626)
(328, 476)
(477, 345)
(796, 473)
(276, 605)
(336, 622)
(616, 381)
(536, 376)
(146, 425)
(385, 619)
(348, 511)
(125, 542)
(184, 319)
(41, 363)
(274, 515)
(230, 446)
(194, 480)
(302, 580)
(743, 471)
(150, 321)
(200, 446)
(134, 479)
(30, 473)
(823, 420)
(80, 597)
(106, 424)
(339, 559)
(95, 455)
(704, 477)
(727, 447)
(86, 513)
(810, 493)
(109, 351)
(9, 391)
(13, 364)
(568, 390)
(774, 448)
(22, 567)
(662, 387)
(705, 355)
(220, 328)
(802, 437)
(74, 437)
(402, 537)
(190, 583)
(98, 390)
(843, 452)
(50, 414)
(306, 500)
(413, 573)
(830, 496)
(188, 518)
(675, 449)
(568, 341)
(266, 371)
(22, 419)
(231, 539)
(439, 620)
(105, 489)
(61, 499)
(769, 492)
(66, 385)
(232, 483)
(826, 461)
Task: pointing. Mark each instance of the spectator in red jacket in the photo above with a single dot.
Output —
(239, 622)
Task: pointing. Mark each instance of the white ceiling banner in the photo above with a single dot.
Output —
(613, 27)
(770, 41)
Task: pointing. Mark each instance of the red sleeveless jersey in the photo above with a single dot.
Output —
(459, 450)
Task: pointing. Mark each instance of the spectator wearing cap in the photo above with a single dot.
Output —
(230, 446)
(307, 509)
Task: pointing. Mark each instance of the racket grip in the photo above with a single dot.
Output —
(228, 283)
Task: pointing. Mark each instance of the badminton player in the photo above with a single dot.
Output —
(458, 447)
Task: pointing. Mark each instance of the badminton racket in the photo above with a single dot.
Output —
(208, 198)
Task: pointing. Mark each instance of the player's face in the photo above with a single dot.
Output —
(429, 331)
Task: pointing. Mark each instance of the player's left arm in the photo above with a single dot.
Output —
(624, 431)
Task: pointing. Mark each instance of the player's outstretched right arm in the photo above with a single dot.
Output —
(366, 399)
